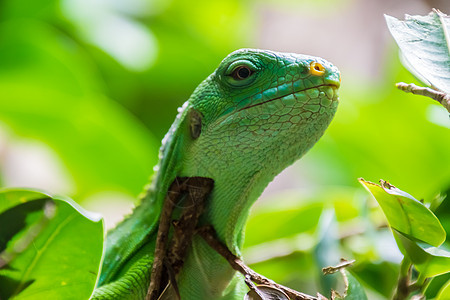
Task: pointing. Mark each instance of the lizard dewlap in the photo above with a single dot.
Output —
(256, 114)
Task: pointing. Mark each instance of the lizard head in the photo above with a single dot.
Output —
(265, 104)
(255, 115)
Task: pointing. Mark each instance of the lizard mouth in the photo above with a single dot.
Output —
(333, 97)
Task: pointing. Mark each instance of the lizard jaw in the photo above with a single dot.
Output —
(334, 87)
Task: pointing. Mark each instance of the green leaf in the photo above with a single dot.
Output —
(355, 290)
(424, 42)
(405, 214)
(50, 248)
(444, 292)
(429, 262)
(378, 276)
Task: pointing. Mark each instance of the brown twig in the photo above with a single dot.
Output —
(402, 290)
(252, 286)
(405, 286)
(171, 277)
(198, 189)
(173, 196)
(208, 234)
(441, 97)
(333, 269)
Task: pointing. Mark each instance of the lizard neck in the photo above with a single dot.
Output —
(227, 211)
(241, 191)
(234, 192)
(236, 189)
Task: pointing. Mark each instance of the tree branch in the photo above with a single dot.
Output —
(342, 265)
(197, 189)
(441, 97)
(172, 197)
(208, 234)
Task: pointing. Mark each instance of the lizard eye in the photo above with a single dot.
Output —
(241, 72)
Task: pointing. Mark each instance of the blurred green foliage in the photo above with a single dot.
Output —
(74, 76)
(102, 114)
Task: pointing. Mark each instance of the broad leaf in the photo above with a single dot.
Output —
(354, 289)
(444, 292)
(405, 214)
(428, 261)
(378, 276)
(424, 42)
(50, 248)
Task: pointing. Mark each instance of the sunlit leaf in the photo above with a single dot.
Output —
(50, 248)
(405, 214)
(424, 44)
(355, 290)
(436, 284)
(444, 292)
(428, 261)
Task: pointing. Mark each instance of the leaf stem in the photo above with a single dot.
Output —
(441, 97)
(405, 266)
(403, 288)
(425, 286)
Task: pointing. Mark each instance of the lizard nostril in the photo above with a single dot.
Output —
(316, 68)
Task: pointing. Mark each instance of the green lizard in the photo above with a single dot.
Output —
(255, 115)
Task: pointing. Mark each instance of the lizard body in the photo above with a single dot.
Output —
(255, 115)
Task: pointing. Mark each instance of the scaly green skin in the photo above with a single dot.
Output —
(251, 130)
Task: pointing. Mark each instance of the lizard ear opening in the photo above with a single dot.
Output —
(195, 123)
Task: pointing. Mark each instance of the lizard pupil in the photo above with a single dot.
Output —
(242, 72)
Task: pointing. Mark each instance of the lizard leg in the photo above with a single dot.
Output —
(131, 286)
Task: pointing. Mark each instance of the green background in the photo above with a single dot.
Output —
(89, 88)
